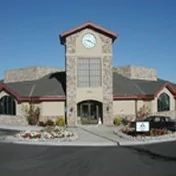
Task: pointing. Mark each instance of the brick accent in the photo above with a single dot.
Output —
(136, 72)
(28, 73)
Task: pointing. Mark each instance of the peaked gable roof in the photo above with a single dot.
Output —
(87, 25)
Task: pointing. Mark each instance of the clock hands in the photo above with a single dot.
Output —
(90, 41)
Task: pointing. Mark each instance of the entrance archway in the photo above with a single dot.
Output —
(90, 111)
(7, 106)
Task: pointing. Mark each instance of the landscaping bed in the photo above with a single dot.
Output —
(153, 134)
(47, 133)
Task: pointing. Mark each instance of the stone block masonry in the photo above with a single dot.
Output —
(12, 120)
(28, 73)
(137, 72)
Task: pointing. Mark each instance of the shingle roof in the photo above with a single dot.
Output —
(22, 88)
(51, 85)
(54, 84)
(124, 86)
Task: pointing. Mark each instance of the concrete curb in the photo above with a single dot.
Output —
(61, 144)
(133, 143)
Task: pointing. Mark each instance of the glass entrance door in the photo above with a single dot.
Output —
(90, 110)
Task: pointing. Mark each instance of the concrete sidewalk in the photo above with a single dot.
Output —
(85, 138)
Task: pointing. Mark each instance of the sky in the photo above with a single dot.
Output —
(29, 31)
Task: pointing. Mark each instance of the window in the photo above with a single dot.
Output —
(89, 72)
(163, 102)
(7, 106)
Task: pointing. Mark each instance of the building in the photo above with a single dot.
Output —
(89, 87)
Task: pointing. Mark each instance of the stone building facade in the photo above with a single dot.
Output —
(88, 87)
(74, 49)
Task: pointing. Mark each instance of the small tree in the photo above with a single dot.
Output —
(32, 113)
(142, 113)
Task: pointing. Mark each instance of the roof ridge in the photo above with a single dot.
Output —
(138, 87)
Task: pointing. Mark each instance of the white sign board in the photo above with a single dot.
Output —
(142, 126)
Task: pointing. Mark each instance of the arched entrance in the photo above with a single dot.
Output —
(7, 105)
(89, 111)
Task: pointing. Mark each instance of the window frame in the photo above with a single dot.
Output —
(163, 102)
(90, 70)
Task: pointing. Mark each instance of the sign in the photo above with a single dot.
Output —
(142, 126)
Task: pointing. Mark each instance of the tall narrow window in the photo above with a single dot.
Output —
(89, 72)
(7, 105)
(163, 102)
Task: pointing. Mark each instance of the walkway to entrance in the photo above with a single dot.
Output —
(89, 111)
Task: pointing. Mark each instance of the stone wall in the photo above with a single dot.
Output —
(71, 103)
(12, 120)
(27, 73)
(107, 80)
(137, 72)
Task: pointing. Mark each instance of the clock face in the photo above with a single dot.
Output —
(89, 40)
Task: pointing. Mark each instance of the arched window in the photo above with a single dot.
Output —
(7, 105)
(163, 102)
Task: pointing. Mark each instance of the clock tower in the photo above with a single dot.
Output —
(89, 86)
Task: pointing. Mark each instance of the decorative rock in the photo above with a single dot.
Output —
(142, 138)
(43, 135)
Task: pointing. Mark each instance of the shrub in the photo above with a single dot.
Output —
(117, 121)
(42, 124)
(142, 113)
(158, 132)
(32, 113)
(60, 121)
(49, 122)
(125, 121)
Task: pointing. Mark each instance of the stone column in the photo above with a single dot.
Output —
(107, 80)
(107, 91)
(71, 91)
(71, 59)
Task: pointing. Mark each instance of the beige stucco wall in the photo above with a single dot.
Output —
(89, 94)
(124, 107)
(82, 51)
(47, 108)
(53, 108)
(140, 104)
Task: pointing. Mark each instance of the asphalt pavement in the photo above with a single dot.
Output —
(28, 160)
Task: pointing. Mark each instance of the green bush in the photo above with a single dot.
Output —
(117, 121)
(49, 122)
(60, 121)
(41, 123)
(125, 121)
